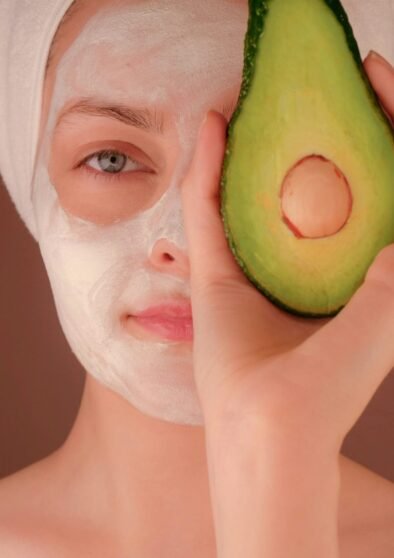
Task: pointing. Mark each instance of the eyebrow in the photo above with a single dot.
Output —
(141, 118)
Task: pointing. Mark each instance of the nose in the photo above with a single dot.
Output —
(166, 257)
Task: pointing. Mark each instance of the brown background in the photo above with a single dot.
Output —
(41, 382)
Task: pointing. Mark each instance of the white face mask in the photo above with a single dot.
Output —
(183, 56)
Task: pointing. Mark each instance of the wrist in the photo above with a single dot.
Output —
(273, 493)
(248, 435)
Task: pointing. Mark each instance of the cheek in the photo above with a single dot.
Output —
(105, 199)
(103, 202)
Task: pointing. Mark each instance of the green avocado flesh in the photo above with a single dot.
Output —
(305, 93)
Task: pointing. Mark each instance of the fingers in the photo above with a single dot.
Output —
(381, 75)
(360, 340)
(211, 260)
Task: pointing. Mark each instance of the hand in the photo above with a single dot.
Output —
(252, 361)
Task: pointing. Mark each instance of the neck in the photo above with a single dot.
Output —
(145, 477)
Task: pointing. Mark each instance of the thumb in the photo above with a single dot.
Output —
(211, 260)
(226, 307)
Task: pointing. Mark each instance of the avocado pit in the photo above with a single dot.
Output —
(316, 199)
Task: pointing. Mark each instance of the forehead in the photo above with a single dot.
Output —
(156, 52)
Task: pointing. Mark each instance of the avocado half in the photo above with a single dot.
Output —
(306, 109)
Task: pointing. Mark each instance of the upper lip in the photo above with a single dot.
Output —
(180, 309)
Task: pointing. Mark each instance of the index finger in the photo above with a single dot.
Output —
(381, 75)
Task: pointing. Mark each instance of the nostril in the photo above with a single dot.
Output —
(166, 257)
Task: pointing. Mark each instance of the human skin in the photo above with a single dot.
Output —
(161, 471)
(296, 392)
(112, 265)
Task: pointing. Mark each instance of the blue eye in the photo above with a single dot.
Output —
(112, 162)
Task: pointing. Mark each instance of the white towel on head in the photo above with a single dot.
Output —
(27, 28)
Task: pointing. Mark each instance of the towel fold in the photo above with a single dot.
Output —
(27, 28)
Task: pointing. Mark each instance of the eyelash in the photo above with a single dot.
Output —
(108, 176)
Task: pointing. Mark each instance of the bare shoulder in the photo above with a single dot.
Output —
(25, 511)
(30, 490)
(366, 513)
(34, 522)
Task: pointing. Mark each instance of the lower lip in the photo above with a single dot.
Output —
(173, 329)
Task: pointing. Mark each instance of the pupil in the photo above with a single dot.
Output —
(111, 161)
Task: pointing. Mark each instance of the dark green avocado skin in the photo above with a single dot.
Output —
(258, 10)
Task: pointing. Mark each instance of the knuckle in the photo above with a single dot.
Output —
(214, 286)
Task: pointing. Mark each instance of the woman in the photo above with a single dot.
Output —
(239, 454)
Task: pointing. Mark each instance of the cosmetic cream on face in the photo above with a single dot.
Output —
(181, 57)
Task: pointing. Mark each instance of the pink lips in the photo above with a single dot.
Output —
(170, 321)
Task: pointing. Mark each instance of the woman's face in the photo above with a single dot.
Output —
(122, 108)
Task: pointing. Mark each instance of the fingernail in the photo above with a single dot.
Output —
(373, 55)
